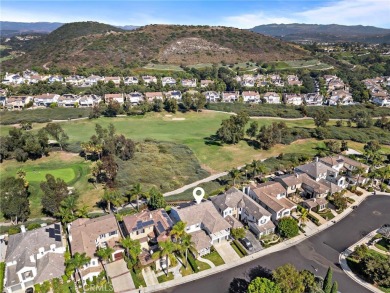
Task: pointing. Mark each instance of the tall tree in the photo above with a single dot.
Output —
(320, 118)
(253, 129)
(133, 249)
(137, 192)
(55, 130)
(156, 199)
(54, 192)
(75, 263)
(167, 248)
(234, 174)
(328, 281)
(288, 227)
(112, 197)
(14, 203)
(288, 279)
(335, 287)
(263, 285)
(178, 230)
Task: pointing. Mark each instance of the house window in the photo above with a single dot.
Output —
(112, 233)
(102, 235)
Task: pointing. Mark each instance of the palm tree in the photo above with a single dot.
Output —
(70, 203)
(137, 192)
(65, 215)
(133, 248)
(186, 244)
(304, 215)
(112, 196)
(358, 171)
(82, 212)
(234, 174)
(76, 262)
(104, 255)
(257, 168)
(178, 230)
(167, 248)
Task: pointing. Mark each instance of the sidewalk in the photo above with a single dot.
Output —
(344, 265)
(275, 248)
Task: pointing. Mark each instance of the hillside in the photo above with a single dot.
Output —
(324, 33)
(91, 44)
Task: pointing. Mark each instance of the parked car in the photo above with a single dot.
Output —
(30, 290)
(247, 244)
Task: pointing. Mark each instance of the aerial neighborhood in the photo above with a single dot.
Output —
(254, 89)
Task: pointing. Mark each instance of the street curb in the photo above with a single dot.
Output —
(346, 269)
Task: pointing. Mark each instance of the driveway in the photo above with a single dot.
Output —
(120, 276)
(256, 243)
(227, 252)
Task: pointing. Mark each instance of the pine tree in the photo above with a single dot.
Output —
(335, 287)
(328, 281)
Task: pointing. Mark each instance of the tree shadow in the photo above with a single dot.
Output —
(252, 143)
(238, 286)
(212, 140)
(259, 271)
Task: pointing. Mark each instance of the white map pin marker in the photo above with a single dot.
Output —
(198, 194)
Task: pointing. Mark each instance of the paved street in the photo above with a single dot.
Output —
(319, 251)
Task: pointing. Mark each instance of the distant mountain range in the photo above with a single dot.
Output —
(325, 33)
(9, 28)
(93, 44)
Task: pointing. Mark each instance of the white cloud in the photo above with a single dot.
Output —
(346, 12)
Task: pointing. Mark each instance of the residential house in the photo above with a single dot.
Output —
(293, 80)
(34, 257)
(134, 98)
(236, 205)
(291, 182)
(46, 99)
(120, 98)
(130, 80)
(75, 80)
(18, 102)
(204, 223)
(55, 78)
(151, 96)
(206, 82)
(340, 97)
(150, 228)
(272, 98)
(88, 235)
(174, 95)
(314, 99)
(251, 97)
(276, 80)
(168, 81)
(314, 189)
(380, 98)
(149, 79)
(89, 101)
(115, 79)
(293, 99)
(230, 97)
(343, 163)
(93, 80)
(212, 96)
(271, 196)
(68, 101)
(35, 78)
(188, 82)
(335, 84)
(315, 204)
(11, 78)
(248, 81)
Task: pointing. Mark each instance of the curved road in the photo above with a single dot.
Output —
(320, 251)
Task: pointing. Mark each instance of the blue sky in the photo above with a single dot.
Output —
(242, 14)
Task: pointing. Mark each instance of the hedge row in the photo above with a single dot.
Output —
(2, 272)
(240, 248)
(314, 219)
(192, 262)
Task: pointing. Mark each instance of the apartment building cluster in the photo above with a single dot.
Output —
(377, 88)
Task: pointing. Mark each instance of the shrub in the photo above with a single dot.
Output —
(358, 192)
(33, 226)
(2, 272)
(240, 248)
(13, 230)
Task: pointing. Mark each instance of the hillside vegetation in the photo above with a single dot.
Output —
(92, 44)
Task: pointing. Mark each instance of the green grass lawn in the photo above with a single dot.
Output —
(202, 265)
(215, 258)
(138, 279)
(2, 272)
(69, 167)
(164, 278)
(232, 244)
(327, 215)
(185, 271)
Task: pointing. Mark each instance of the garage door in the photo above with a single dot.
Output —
(118, 256)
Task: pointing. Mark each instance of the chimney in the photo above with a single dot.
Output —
(23, 228)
